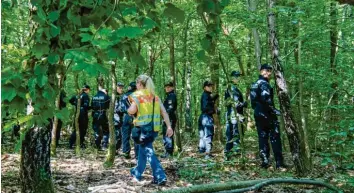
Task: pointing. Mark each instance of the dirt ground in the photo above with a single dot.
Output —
(86, 174)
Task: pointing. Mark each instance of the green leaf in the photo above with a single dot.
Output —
(95, 69)
(79, 66)
(54, 30)
(41, 14)
(103, 44)
(49, 93)
(40, 49)
(85, 37)
(79, 56)
(138, 59)
(174, 12)
(42, 80)
(63, 3)
(149, 23)
(40, 69)
(53, 16)
(130, 32)
(53, 58)
(75, 19)
(63, 114)
(201, 55)
(7, 93)
(129, 11)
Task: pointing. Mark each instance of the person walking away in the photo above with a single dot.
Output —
(148, 108)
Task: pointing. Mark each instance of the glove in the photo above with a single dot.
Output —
(276, 112)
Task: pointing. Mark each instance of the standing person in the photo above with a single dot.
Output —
(118, 116)
(206, 121)
(234, 101)
(127, 122)
(148, 109)
(99, 105)
(265, 114)
(83, 117)
(170, 105)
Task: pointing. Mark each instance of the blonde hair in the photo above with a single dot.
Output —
(147, 83)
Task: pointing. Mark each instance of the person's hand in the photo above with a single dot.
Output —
(169, 131)
(277, 112)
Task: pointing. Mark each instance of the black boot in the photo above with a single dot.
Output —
(265, 162)
(279, 164)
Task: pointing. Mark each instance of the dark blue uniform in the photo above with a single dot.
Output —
(265, 115)
(83, 118)
(127, 125)
(232, 133)
(118, 122)
(170, 105)
(206, 122)
(99, 105)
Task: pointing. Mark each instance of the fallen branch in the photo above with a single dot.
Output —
(240, 186)
(282, 181)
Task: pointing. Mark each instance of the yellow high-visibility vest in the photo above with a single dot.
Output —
(144, 101)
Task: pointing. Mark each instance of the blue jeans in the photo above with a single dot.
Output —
(232, 137)
(147, 153)
(206, 133)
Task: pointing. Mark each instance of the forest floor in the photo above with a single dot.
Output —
(87, 174)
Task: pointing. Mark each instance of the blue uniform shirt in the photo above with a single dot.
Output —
(207, 103)
(170, 104)
(265, 101)
(100, 102)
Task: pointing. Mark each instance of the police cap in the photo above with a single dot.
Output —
(266, 67)
(235, 74)
(86, 86)
(207, 83)
(169, 84)
(120, 84)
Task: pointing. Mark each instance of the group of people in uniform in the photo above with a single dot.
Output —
(262, 101)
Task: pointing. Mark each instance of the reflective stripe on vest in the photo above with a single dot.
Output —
(144, 101)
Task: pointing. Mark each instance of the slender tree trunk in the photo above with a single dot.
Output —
(112, 135)
(303, 130)
(334, 48)
(173, 76)
(35, 171)
(77, 115)
(57, 106)
(252, 6)
(186, 84)
(137, 65)
(299, 158)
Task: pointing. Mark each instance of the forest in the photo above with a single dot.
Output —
(54, 51)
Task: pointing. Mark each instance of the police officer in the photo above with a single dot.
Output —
(99, 105)
(234, 101)
(127, 122)
(83, 117)
(170, 105)
(118, 116)
(206, 121)
(265, 114)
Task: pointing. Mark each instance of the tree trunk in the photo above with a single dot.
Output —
(112, 135)
(252, 6)
(77, 115)
(35, 171)
(303, 130)
(56, 120)
(299, 158)
(334, 48)
(186, 81)
(173, 76)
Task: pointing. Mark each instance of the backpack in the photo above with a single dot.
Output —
(254, 94)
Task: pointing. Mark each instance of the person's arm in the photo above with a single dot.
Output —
(133, 108)
(266, 98)
(164, 114)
